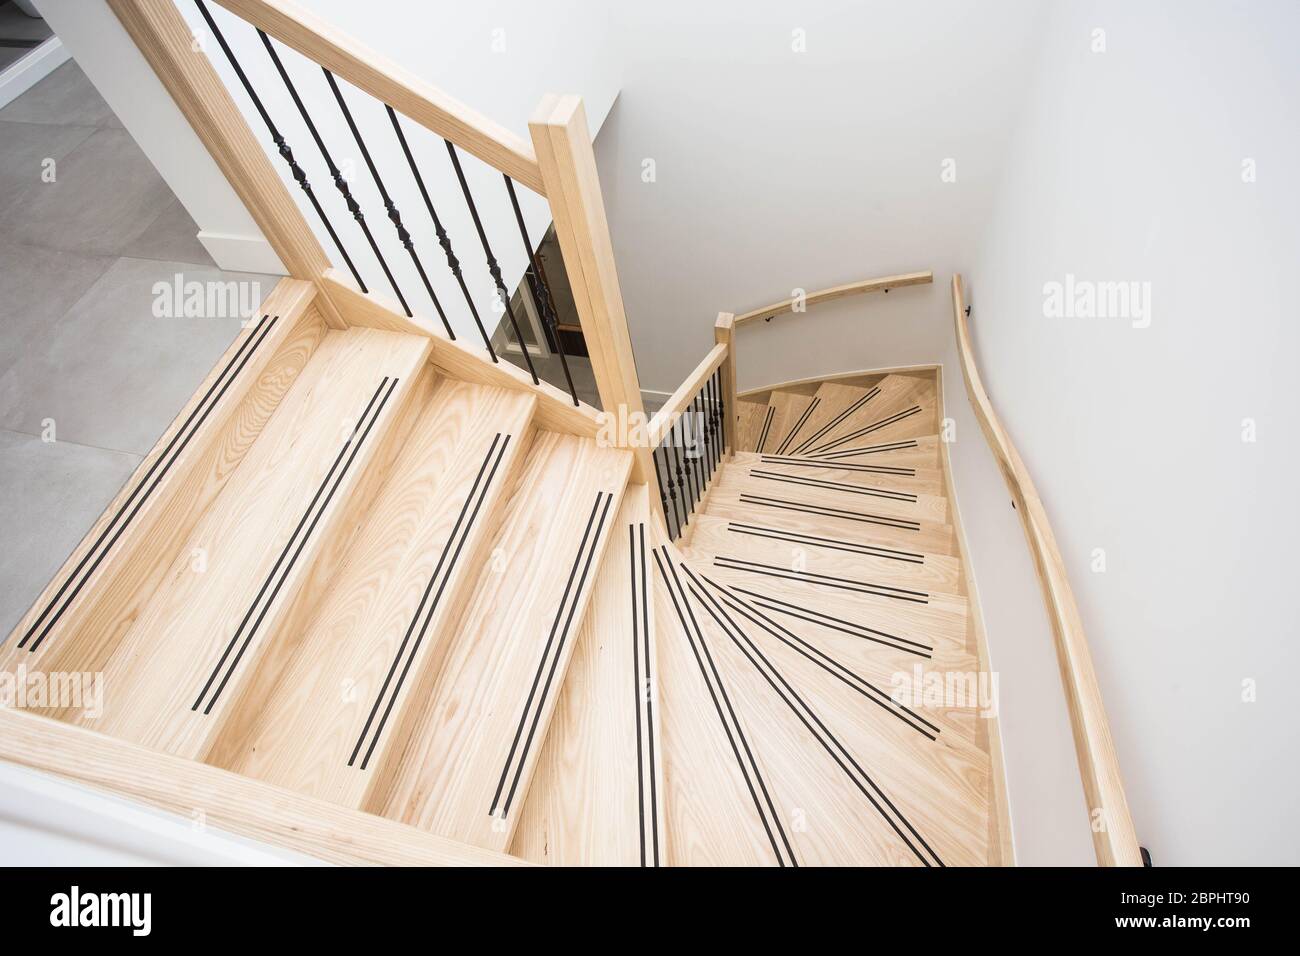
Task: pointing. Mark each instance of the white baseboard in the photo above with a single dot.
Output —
(242, 253)
(28, 70)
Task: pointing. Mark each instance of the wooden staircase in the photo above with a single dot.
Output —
(379, 596)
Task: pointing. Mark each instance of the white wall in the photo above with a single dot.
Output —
(777, 170)
(499, 58)
(1129, 167)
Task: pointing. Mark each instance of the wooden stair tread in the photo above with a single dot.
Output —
(597, 796)
(468, 762)
(79, 618)
(820, 554)
(749, 422)
(867, 524)
(818, 761)
(876, 474)
(787, 410)
(903, 407)
(342, 706)
(177, 671)
(774, 482)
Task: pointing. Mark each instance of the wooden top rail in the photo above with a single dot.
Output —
(667, 416)
(1113, 836)
(883, 284)
(383, 79)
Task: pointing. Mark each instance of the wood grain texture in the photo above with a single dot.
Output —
(903, 408)
(1116, 844)
(597, 795)
(749, 418)
(564, 152)
(164, 39)
(187, 634)
(884, 284)
(770, 480)
(85, 609)
(555, 409)
(369, 655)
(678, 402)
(862, 378)
(864, 473)
(467, 766)
(226, 801)
(327, 46)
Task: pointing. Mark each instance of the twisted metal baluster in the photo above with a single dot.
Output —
(683, 486)
(715, 422)
(696, 464)
(281, 146)
(665, 490)
(452, 262)
(542, 294)
(492, 265)
(389, 206)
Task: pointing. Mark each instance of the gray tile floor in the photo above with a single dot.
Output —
(83, 352)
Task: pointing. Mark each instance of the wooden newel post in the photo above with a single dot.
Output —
(724, 333)
(562, 142)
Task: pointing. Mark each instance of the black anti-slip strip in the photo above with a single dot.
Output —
(719, 696)
(808, 577)
(643, 701)
(786, 505)
(883, 423)
(157, 471)
(847, 466)
(477, 494)
(836, 420)
(853, 547)
(827, 663)
(767, 425)
(329, 484)
(890, 493)
(866, 450)
(838, 624)
(803, 419)
(829, 742)
(649, 697)
(586, 549)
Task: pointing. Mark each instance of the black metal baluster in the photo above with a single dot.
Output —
(683, 486)
(281, 146)
(492, 265)
(664, 491)
(696, 464)
(452, 262)
(389, 206)
(541, 291)
(719, 435)
(728, 428)
(710, 436)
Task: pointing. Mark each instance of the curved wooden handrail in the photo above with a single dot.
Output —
(324, 44)
(1113, 836)
(883, 284)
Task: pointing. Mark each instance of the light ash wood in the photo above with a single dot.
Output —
(454, 758)
(555, 408)
(564, 152)
(584, 806)
(836, 292)
(163, 663)
(1116, 844)
(678, 402)
(862, 378)
(163, 37)
(324, 44)
(225, 800)
(170, 500)
(306, 735)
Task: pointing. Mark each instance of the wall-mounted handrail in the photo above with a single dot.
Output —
(389, 83)
(883, 284)
(1114, 838)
